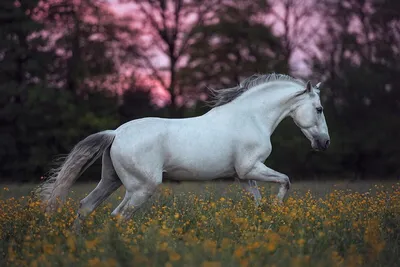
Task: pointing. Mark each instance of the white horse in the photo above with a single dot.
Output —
(231, 140)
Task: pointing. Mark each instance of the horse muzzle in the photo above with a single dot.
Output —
(321, 143)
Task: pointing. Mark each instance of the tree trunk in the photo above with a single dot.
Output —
(174, 110)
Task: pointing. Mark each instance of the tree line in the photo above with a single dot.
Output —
(69, 68)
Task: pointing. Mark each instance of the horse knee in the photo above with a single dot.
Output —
(286, 182)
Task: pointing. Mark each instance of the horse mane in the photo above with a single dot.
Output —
(223, 96)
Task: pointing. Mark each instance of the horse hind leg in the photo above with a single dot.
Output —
(140, 183)
(251, 187)
(108, 184)
(118, 209)
(140, 173)
(134, 199)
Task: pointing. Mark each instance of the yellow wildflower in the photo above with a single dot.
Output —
(173, 256)
(95, 262)
(301, 242)
(90, 244)
(211, 264)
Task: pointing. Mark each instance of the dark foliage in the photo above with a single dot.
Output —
(62, 76)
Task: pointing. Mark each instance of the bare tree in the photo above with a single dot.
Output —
(92, 43)
(167, 31)
(299, 25)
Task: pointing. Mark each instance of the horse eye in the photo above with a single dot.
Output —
(319, 109)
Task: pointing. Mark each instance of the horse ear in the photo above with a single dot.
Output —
(308, 87)
(318, 85)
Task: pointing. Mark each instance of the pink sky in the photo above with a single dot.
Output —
(297, 61)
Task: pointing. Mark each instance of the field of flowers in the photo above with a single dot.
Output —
(209, 229)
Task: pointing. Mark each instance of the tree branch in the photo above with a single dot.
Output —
(155, 71)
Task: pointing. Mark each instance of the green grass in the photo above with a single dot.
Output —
(317, 188)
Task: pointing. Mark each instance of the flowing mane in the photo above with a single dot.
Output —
(226, 95)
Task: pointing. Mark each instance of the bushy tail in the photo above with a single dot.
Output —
(55, 189)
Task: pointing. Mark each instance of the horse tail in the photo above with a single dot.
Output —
(84, 154)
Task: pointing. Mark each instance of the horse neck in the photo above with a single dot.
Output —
(269, 106)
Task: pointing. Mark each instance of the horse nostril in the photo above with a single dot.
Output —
(327, 143)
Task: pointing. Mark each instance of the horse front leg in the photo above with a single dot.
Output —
(262, 173)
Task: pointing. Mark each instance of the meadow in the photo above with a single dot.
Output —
(209, 225)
